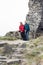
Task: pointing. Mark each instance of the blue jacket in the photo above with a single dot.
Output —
(27, 28)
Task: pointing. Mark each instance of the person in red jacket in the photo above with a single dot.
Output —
(22, 31)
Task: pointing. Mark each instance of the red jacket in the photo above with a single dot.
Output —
(21, 28)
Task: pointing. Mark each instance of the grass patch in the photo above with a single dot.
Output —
(41, 56)
(8, 38)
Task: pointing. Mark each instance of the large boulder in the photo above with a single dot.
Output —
(35, 16)
(15, 34)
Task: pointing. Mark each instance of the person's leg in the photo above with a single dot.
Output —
(21, 35)
(27, 35)
(24, 36)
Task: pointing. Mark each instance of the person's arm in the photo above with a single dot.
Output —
(20, 29)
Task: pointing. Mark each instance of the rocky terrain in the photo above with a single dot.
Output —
(35, 17)
(15, 34)
(20, 52)
(14, 51)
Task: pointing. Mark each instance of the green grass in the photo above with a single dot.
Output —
(8, 38)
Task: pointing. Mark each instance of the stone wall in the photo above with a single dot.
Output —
(35, 16)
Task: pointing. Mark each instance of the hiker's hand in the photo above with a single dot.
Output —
(25, 30)
(19, 31)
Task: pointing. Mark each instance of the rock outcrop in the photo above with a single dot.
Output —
(35, 17)
(15, 34)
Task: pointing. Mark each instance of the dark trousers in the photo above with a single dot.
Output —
(23, 35)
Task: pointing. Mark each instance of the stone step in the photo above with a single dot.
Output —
(15, 60)
(11, 60)
(3, 57)
(19, 55)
